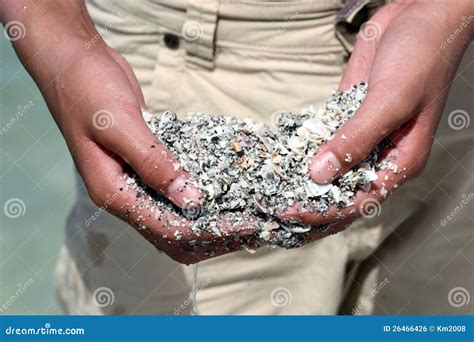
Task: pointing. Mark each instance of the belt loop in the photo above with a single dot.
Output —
(199, 32)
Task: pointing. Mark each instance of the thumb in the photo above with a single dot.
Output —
(378, 116)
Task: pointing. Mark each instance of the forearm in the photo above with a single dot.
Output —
(44, 16)
(54, 31)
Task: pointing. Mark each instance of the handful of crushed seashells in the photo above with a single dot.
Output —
(240, 165)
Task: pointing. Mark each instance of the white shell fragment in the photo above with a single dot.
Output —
(246, 167)
(315, 190)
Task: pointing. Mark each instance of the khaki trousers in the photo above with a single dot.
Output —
(252, 58)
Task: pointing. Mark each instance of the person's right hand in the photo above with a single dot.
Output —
(96, 101)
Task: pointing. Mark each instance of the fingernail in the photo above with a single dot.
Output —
(325, 168)
(182, 193)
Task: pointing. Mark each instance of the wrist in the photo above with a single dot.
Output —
(54, 32)
(46, 23)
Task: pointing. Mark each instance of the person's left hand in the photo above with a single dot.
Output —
(404, 54)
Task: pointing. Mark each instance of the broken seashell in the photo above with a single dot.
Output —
(336, 193)
(276, 159)
(237, 147)
(259, 205)
(299, 229)
(315, 128)
(296, 144)
(265, 235)
(270, 225)
(314, 190)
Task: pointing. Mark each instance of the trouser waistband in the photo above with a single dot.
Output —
(295, 27)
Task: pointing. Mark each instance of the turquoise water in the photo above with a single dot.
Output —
(36, 174)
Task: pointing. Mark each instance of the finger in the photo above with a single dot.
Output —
(403, 161)
(367, 204)
(369, 36)
(154, 220)
(238, 223)
(380, 114)
(362, 56)
(120, 127)
(113, 191)
(382, 111)
(308, 215)
(364, 204)
(236, 233)
(180, 242)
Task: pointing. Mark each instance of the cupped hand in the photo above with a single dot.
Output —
(97, 103)
(404, 54)
(171, 231)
